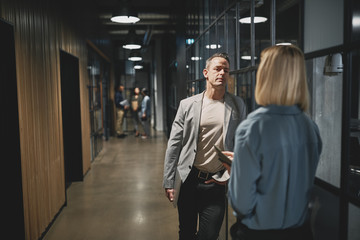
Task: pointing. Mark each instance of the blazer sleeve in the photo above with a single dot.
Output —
(174, 148)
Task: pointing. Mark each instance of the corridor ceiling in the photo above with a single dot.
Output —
(156, 17)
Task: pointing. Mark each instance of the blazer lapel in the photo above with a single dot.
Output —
(197, 113)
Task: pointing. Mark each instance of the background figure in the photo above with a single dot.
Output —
(276, 153)
(121, 105)
(145, 112)
(136, 100)
(202, 121)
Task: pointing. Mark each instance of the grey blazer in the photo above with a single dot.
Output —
(182, 145)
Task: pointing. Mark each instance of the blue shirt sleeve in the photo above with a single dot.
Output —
(244, 178)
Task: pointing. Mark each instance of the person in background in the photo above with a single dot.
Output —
(136, 100)
(202, 121)
(276, 153)
(121, 105)
(145, 113)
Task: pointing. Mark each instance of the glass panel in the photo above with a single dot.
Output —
(188, 64)
(354, 180)
(204, 54)
(324, 216)
(287, 22)
(230, 37)
(355, 20)
(262, 29)
(244, 89)
(98, 70)
(213, 44)
(213, 10)
(331, 27)
(354, 220)
(196, 59)
(326, 109)
(245, 47)
(206, 19)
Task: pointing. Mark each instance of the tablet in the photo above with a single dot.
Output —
(222, 157)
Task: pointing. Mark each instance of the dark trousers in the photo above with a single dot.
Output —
(239, 231)
(206, 201)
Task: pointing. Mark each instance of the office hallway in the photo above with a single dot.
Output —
(121, 196)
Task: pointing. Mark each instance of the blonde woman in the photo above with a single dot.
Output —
(276, 153)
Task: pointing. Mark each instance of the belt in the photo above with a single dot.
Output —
(203, 175)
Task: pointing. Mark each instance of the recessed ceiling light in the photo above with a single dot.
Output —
(138, 67)
(213, 46)
(247, 20)
(134, 59)
(125, 19)
(247, 57)
(132, 46)
(196, 58)
(283, 44)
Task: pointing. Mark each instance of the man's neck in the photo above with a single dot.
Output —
(214, 94)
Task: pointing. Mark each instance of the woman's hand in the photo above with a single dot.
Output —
(229, 155)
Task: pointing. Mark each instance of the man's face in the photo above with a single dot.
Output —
(217, 73)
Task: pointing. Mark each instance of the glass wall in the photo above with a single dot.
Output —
(224, 26)
(354, 146)
(228, 28)
(326, 108)
(333, 70)
(98, 87)
(332, 55)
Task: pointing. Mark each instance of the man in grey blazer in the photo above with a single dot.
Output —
(194, 178)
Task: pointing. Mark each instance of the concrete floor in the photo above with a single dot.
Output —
(121, 196)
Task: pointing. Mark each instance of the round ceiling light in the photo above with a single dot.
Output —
(247, 20)
(125, 19)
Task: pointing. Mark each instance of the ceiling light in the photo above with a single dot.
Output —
(125, 19)
(132, 42)
(247, 58)
(132, 46)
(283, 44)
(247, 20)
(134, 56)
(190, 41)
(213, 46)
(134, 59)
(195, 58)
(138, 67)
(125, 15)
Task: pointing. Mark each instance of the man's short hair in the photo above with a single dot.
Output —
(222, 55)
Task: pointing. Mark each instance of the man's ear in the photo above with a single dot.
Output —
(205, 72)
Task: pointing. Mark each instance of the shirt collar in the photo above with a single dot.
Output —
(281, 109)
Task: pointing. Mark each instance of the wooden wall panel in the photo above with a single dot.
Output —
(40, 31)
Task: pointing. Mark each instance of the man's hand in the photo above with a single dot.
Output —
(214, 181)
(169, 192)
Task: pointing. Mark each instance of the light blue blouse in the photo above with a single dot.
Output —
(276, 153)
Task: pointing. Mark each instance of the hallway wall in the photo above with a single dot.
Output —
(40, 32)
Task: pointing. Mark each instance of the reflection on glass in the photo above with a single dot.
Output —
(326, 108)
(354, 168)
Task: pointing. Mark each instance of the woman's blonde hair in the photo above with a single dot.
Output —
(281, 77)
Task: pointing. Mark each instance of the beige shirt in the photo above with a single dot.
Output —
(211, 133)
